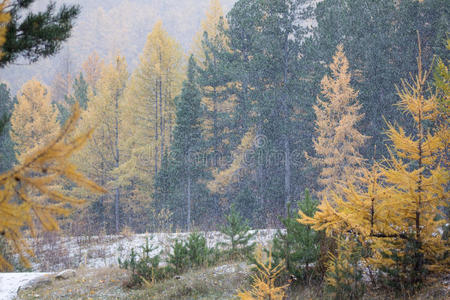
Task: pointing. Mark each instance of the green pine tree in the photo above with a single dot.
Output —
(187, 147)
(297, 246)
(33, 35)
(7, 156)
(238, 234)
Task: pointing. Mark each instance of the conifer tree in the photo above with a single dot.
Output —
(338, 142)
(5, 17)
(150, 109)
(237, 232)
(79, 95)
(102, 154)
(397, 210)
(7, 157)
(92, 69)
(34, 119)
(187, 143)
(298, 245)
(39, 170)
(36, 34)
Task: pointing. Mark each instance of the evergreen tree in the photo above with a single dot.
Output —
(79, 95)
(298, 245)
(388, 31)
(7, 157)
(36, 34)
(237, 233)
(187, 144)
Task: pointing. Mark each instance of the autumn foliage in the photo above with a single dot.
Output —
(396, 209)
(37, 173)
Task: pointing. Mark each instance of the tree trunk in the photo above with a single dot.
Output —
(189, 202)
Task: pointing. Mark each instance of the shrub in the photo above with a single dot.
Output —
(344, 274)
(144, 268)
(264, 282)
(238, 235)
(298, 245)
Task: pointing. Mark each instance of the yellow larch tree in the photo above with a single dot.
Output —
(34, 119)
(338, 140)
(210, 25)
(150, 109)
(264, 282)
(397, 209)
(102, 155)
(39, 170)
(4, 20)
(92, 69)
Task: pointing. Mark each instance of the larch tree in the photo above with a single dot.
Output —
(5, 17)
(210, 27)
(338, 140)
(39, 170)
(150, 109)
(92, 69)
(102, 155)
(397, 207)
(34, 118)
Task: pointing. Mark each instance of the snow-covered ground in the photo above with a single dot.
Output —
(60, 253)
(10, 283)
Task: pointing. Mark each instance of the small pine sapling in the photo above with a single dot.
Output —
(298, 244)
(198, 250)
(179, 258)
(237, 233)
(344, 274)
(144, 268)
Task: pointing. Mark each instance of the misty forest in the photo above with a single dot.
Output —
(224, 149)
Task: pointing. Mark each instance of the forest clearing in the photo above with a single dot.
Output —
(224, 149)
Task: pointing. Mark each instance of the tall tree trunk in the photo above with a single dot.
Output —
(117, 162)
(189, 201)
(287, 153)
(156, 128)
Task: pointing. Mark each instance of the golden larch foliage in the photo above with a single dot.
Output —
(338, 142)
(92, 69)
(210, 25)
(38, 171)
(150, 109)
(232, 174)
(34, 119)
(263, 286)
(400, 201)
(5, 17)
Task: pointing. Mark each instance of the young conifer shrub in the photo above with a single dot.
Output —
(264, 284)
(237, 234)
(344, 275)
(145, 267)
(298, 246)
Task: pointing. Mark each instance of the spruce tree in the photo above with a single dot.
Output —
(187, 143)
(297, 246)
(7, 156)
(237, 233)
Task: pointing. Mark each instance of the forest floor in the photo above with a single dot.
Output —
(220, 282)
